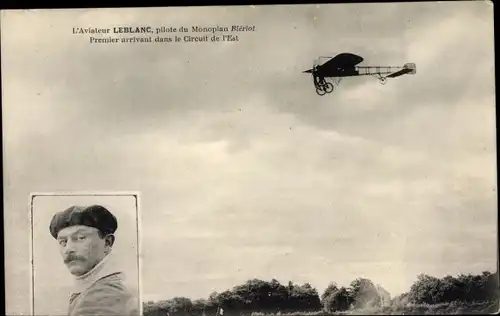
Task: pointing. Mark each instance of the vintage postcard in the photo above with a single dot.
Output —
(250, 160)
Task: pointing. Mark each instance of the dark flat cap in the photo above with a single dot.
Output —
(95, 216)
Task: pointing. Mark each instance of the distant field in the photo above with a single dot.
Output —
(453, 308)
(428, 295)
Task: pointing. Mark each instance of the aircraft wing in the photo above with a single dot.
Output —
(343, 60)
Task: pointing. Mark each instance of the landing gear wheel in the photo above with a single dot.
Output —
(383, 81)
(328, 87)
(320, 90)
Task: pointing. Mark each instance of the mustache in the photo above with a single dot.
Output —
(70, 258)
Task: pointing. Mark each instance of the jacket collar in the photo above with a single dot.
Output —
(107, 266)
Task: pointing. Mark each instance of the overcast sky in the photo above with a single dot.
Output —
(243, 170)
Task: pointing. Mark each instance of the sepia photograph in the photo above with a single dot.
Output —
(85, 254)
(291, 160)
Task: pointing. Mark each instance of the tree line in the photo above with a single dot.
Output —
(271, 297)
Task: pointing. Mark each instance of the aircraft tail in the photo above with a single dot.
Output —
(412, 67)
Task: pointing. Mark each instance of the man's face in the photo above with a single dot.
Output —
(82, 248)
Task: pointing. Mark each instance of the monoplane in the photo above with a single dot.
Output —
(346, 65)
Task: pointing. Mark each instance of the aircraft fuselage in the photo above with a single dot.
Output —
(337, 72)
